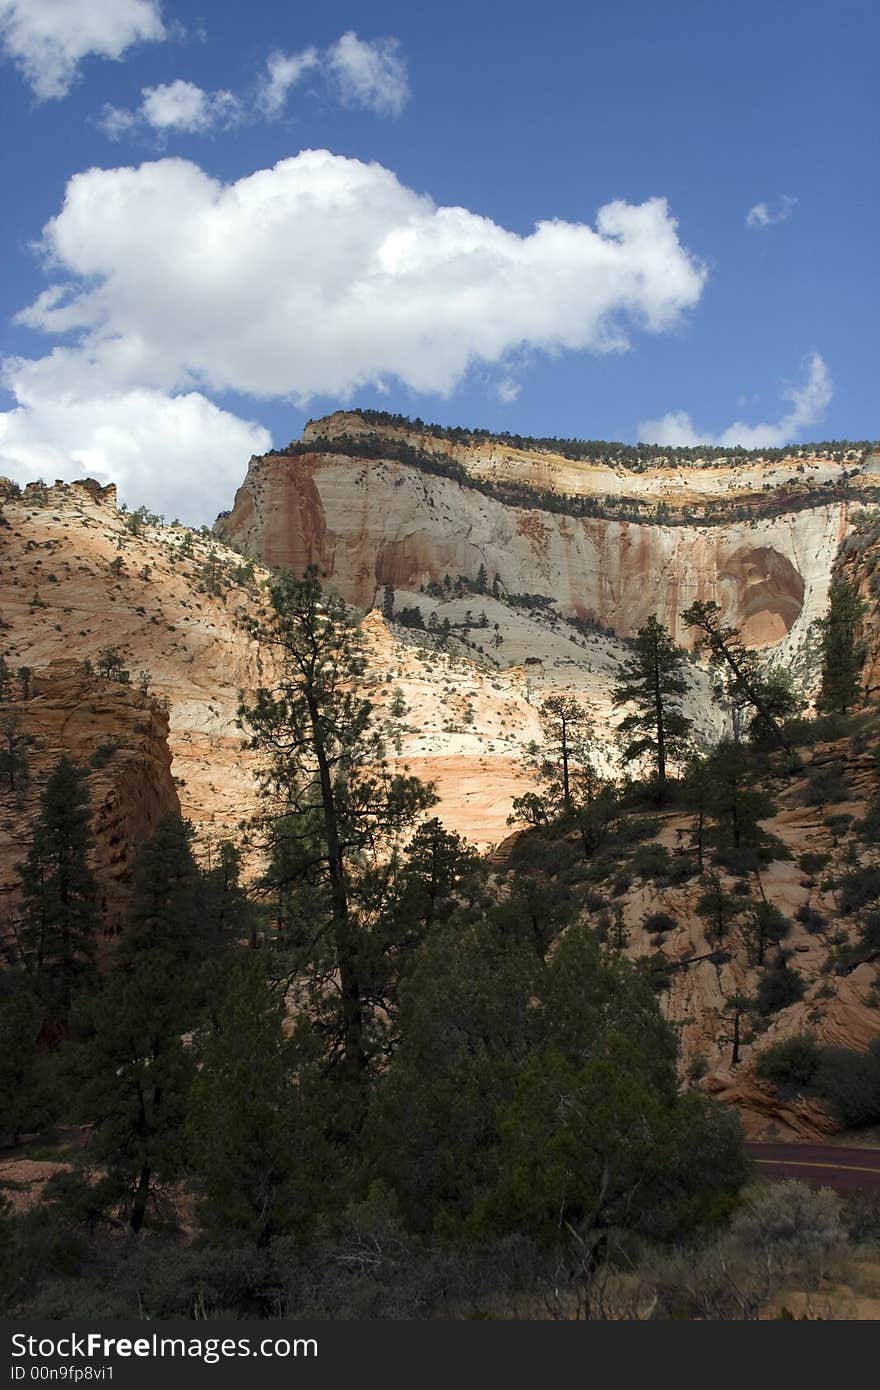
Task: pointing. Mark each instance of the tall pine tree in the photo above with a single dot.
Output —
(567, 730)
(130, 1070)
(60, 917)
(241, 1130)
(335, 803)
(652, 679)
(842, 654)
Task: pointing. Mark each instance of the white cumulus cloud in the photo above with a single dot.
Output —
(324, 274)
(47, 39)
(175, 106)
(808, 403)
(370, 74)
(768, 214)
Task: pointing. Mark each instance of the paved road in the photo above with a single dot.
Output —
(820, 1165)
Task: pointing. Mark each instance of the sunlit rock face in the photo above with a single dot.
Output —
(368, 522)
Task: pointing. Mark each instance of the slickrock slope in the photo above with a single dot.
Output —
(121, 737)
(384, 519)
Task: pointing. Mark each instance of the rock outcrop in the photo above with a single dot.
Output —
(120, 737)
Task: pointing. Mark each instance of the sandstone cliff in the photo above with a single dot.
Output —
(120, 737)
(371, 521)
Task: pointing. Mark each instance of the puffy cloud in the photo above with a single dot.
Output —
(178, 106)
(283, 71)
(370, 74)
(181, 454)
(808, 404)
(47, 39)
(324, 274)
(767, 215)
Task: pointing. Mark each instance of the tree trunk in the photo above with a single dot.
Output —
(750, 692)
(142, 1193)
(566, 792)
(352, 1006)
(661, 732)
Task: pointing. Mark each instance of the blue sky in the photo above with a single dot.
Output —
(183, 309)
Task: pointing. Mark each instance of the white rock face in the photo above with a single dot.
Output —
(371, 523)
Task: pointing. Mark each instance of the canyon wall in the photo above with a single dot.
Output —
(372, 522)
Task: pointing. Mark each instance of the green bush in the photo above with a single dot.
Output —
(777, 988)
(827, 786)
(789, 1218)
(868, 829)
(103, 753)
(810, 918)
(632, 830)
(651, 861)
(659, 922)
(869, 934)
(850, 1082)
(859, 888)
(811, 863)
(738, 862)
(795, 1060)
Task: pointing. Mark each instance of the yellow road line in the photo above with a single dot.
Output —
(805, 1163)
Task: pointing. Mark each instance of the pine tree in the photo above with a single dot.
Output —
(733, 797)
(60, 918)
(652, 678)
(388, 603)
(596, 1133)
(842, 654)
(167, 910)
(129, 1079)
(738, 1006)
(241, 1129)
(334, 801)
(229, 914)
(567, 735)
(129, 1065)
(729, 655)
(717, 907)
(13, 754)
(23, 1096)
